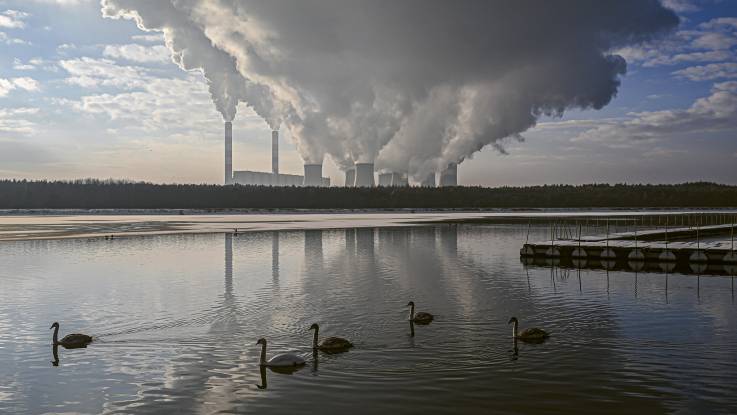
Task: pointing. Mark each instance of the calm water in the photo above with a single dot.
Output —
(177, 319)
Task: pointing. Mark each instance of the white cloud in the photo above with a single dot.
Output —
(25, 83)
(16, 120)
(93, 73)
(724, 70)
(9, 40)
(13, 19)
(717, 112)
(18, 65)
(680, 6)
(63, 2)
(138, 53)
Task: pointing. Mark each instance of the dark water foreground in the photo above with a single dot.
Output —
(177, 319)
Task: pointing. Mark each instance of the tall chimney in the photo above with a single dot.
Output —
(364, 174)
(313, 175)
(228, 152)
(275, 152)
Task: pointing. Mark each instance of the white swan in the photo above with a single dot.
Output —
(280, 360)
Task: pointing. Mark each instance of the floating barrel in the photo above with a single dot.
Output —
(608, 264)
(636, 255)
(578, 253)
(578, 262)
(552, 252)
(697, 256)
(527, 250)
(730, 269)
(608, 253)
(666, 255)
(667, 266)
(730, 257)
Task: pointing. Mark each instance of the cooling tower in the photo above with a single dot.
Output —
(399, 179)
(228, 152)
(275, 152)
(449, 176)
(350, 177)
(385, 179)
(313, 175)
(364, 174)
(428, 181)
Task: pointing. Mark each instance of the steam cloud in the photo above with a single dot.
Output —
(412, 85)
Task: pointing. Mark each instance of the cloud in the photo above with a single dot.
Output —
(714, 71)
(24, 83)
(62, 2)
(94, 73)
(716, 112)
(681, 6)
(9, 40)
(16, 120)
(138, 53)
(13, 19)
(153, 38)
(411, 84)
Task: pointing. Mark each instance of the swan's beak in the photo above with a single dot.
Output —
(52, 326)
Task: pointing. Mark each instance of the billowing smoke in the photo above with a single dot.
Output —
(412, 85)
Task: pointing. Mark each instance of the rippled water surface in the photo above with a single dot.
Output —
(176, 319)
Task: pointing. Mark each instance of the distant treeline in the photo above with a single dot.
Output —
(110, 194)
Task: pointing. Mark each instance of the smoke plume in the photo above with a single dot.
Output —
(412, 85)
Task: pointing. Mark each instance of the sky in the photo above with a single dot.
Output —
(86, 96)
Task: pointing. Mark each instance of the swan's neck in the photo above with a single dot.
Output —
(56, 335)
(263, 354)
(314, 339)
(412, 312)
(514, 330)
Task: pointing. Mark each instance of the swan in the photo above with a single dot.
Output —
(528, 335)
(285, 360)
(331, 344)
(419, 318)
(70, 341)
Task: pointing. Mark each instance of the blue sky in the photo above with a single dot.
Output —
(83, 96)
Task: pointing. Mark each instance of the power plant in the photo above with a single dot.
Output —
(312, 177)
(360, 175)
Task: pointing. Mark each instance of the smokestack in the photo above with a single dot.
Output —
(350, 177)
(228, 152)
(275, 152)
(428, 181)
(313, 175)
(364, 174)
(449, 176)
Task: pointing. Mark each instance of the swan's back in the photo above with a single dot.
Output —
(285, 360)
(423, 318)
(334, 344)
(75, 340)
(534, 333)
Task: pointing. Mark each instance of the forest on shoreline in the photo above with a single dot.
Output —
(112, 194)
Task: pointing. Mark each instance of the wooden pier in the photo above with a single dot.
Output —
(649, 245)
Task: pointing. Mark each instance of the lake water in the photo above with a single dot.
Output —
(176, 319)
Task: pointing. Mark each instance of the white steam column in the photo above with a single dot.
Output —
(449, 176)
(364, 174)
(313, 175)
(275, 152)
(428, 181)
(228, 152)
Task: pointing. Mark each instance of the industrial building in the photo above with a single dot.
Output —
(312, 176)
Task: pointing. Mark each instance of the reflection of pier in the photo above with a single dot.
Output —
(679, 266)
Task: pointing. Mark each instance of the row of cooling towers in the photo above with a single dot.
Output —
(361, 175)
